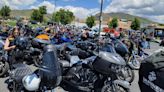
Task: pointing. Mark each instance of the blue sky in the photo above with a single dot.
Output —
(151, 9)
(82, 3)
(76, 3)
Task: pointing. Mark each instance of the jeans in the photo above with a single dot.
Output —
(148, 44)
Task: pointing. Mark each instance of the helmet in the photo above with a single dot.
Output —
(40, 41)
(43, 37)
(31, 82)
(21, 42)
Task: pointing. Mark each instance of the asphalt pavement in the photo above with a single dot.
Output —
(134, 87)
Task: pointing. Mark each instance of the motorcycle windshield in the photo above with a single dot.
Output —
(108, 48)
(120, 47)
(50, 62)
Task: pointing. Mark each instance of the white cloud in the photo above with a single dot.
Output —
(16, 4)
(159, 18)
(99, 1)
(80, 12)
(22, 2)
(145, 8)
(50, 7)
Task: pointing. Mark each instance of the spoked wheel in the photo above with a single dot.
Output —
(37, 61)
(127, 74)
(4, 66)
(16, 88)
(113, 88)
(135, 63)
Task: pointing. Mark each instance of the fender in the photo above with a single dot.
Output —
(132, 66)
(122, 83)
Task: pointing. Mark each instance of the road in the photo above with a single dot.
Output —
(134, 87)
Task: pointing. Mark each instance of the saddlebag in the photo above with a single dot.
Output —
(151, 73)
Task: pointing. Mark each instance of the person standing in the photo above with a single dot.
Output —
(9, 45)
(148, 39)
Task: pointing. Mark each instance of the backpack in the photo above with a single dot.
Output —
(151, 73)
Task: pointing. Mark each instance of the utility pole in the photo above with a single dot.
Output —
(55, 2)
(100, 17)
(100, 22)
(55, 5)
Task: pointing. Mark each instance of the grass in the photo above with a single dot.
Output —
(36, 25)
(11, 23)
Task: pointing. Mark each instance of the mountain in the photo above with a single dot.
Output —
(24, 13)
(106, 17)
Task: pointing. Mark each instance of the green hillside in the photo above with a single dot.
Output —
(106, 16)
(16, 13)
(26, 13)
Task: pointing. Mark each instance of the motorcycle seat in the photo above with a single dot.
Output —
(19, 65)
(19, 72)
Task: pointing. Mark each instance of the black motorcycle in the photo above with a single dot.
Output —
(46, 78)
(4, 65)
(86, 74)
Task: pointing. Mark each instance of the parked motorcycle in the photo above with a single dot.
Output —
(126, 73)
(4, 65)
(84, 75)
(44, 79)
(122, 49)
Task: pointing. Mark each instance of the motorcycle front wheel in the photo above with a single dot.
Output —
(4, 67)
(113, 88)
(101, 86)
(127, 74)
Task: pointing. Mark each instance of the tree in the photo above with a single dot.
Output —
(36, 15)
(90, 21)
(135, 24)
(43, 10)
(63, 16)
(5, 11)
(56, 17)
(113, 23)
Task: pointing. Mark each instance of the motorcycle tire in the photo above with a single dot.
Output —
(130, 71)
(4, 68)
(135, 64)
(130, 78)
(14, 87)
(100, 87)
(37, 62)
(116, 88)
